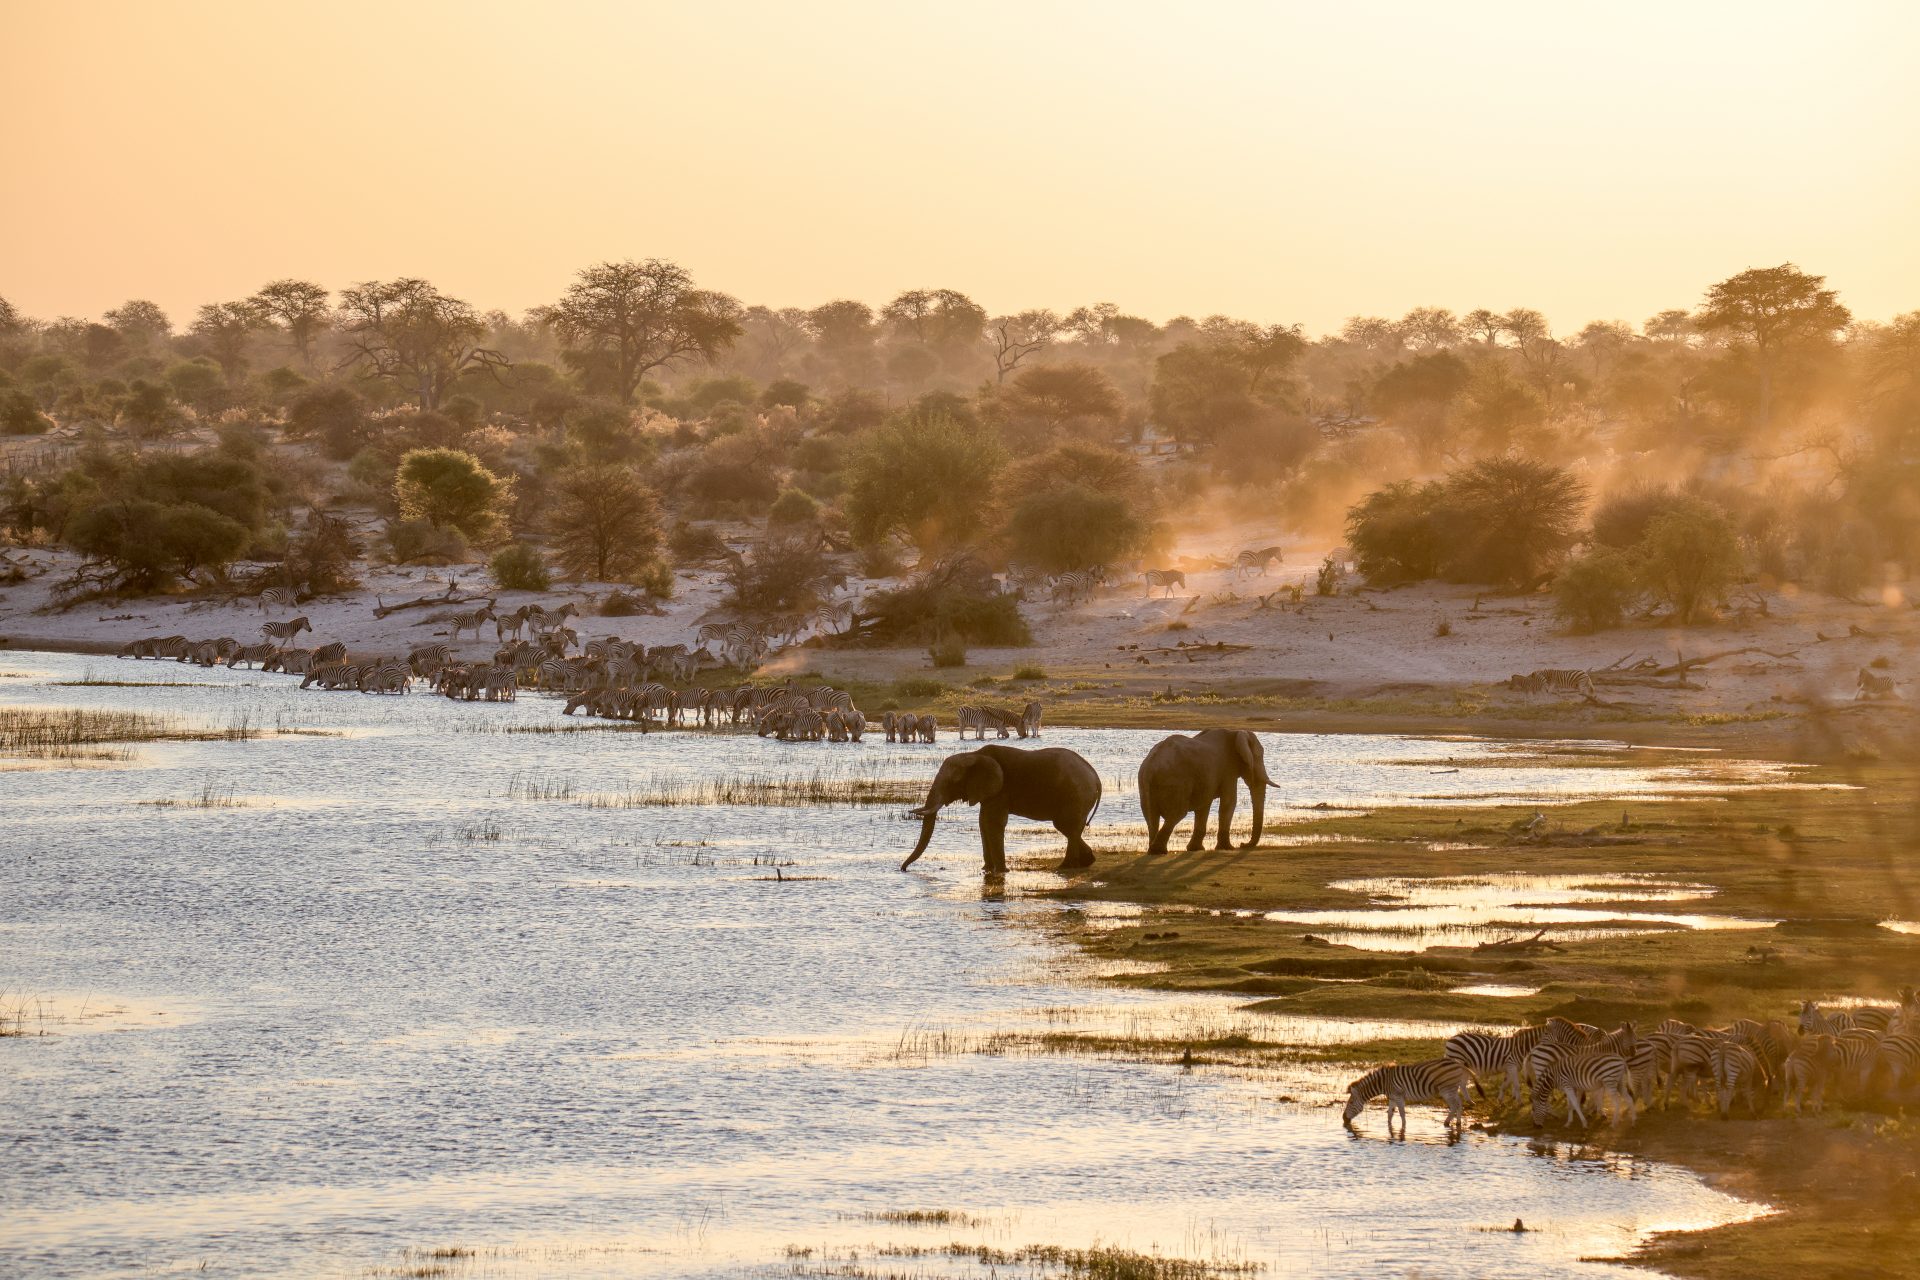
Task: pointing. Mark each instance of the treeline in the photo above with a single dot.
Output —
(600, 425)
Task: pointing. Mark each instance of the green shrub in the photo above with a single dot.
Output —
(419, 542)
(1396, 532)
(148, 541)
(1028, 673)
(793, 507)
(924, 477)
(450, 489)
(656, 580)
(955, 599)
(520, 568)
(1621, 519)
(1326, 582)
(948, 652)
(1689, 557)
(1069, 528)
(919, 687)
(20, 415)
(1594, 591)
(1510, 520)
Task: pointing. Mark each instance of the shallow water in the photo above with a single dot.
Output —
(378, 1000)
(1415, 914)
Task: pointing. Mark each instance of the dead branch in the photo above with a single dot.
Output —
(1684, 665)
(381, 610)
(1537, 942)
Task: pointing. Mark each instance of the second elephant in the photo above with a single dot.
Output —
(1189, 773)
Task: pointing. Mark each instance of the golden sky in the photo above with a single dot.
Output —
(1275, 161)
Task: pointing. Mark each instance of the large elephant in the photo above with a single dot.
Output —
(1051, 783)
(1186, 774)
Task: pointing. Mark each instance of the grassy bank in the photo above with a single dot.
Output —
(1827, 860)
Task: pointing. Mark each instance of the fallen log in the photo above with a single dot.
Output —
(382, 609)
(1537, 942)
(1685, 665)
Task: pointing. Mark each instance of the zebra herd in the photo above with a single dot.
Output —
(1078, 585)
(1862, 1052)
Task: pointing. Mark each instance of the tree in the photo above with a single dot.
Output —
(200, 383)
(148, 541)
(1012, 339)
(1200, 390)
(1069, 527)
(143, 324)
(1671, 326)
(1431, 328)
(1060, 395)
(1690, 556)
(630, 318)
(299, 308)
(1594, 591)
(1396, 532)
(944, 319)
(334, 415)
(409, 333)
(149, 411)
(929, 477)
(604, 522)
(1510, 519)
(1772, 310)
(224, 329)
(1088, 466)
(449, 488)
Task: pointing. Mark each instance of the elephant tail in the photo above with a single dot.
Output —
(1094, 810)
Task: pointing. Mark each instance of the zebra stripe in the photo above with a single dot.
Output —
(1437, 1079)
(285, 631)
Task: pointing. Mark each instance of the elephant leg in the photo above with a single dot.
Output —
(1079, 852)
(993, 841)
(1224, 840)
(1198, 840)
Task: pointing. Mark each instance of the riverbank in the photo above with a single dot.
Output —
(1811, 869)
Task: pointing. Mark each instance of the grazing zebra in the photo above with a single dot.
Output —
(1554, 680)
(170, 647)
(1866, 1017)
(332, 651)
(1870, 686)
(293, 662)
(254, 655)
(1736, 1072)
(927, 727)
(890, 725)
(1168, 578)
(1030, 720)
(1074, 586)
(1804, 1076)
(137, 648)
(978, 720)
(426, 659)
(279, 597)
(284, 632)
(1583, 1074)
(386, 675)
(1437, 1079)
(471, 621)
(1257, 561)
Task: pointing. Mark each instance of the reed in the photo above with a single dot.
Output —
(771, 790)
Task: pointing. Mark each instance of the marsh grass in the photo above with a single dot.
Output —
(75, 733)
(769, 790)
(924, 1218)
(212, 795)
(535, 787)
(1099, 1262)
(22, 1015)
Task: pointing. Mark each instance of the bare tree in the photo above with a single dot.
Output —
(1014, 338)
(630, 318)
(409, 333)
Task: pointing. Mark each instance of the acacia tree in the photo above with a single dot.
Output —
(944, 319)
(450, 488)
(1012, 339)
(142, 323)
(630, 318)
(927, 477)
(299, 308)
(1772, 310)
(605, 523)
(224, 328)
(409, 333)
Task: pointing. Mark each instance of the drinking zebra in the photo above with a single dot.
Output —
(285, 631)
(332, 651)
(1435, 1080)
(1554, 680)
(974, 718)
(254, 655)
(1581, 1076)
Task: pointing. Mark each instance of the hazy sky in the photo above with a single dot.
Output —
(1275, 161)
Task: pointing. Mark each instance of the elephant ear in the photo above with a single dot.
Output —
(983, 778)
(1252, 756)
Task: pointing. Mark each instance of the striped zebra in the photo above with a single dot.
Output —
(1598, 1071)
(279, 597)
(1554, 680)
(293, 662)
(1030, 716)
(1256, 561)
(501, 685)
(1074, 586)
(332, 651)
(1898, 1054)
(1435, 1080)
(170, 647)
(1867, 686)
(511, 624)
(470, 621)
(1481, 1054)
(1866, 1017)
(1167, 578)
(972, 717)
(890, 725)
(386, 675)
(284, 632)
(426, 659)
(1737, 1072)
(828, 698)
(137, 648)
(1804, 1076)
(326, 675)
(254, 655)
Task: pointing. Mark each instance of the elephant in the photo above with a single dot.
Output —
(1051, 783)
(1186, 774)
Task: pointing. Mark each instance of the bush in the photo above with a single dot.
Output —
(793, 507)
(925, 477)
(781, 576)
(1326, 581)
(520, 568)
(735, 472)
(420, 542)
(148, 541)
(335, 416)
(605, 522)
(656, 580)
(450, 489)
(919, 687)
(1690, 556)
(950, 652)
(619, 604)
(1396, 534)
(1028, 673)
(953, 600)
(1594, 591)
(20, 415)
(693, 544)
(323, 555)
(1510, 520)
(1058, 530)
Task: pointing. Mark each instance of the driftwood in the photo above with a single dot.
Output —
(1685, 665)
(1537, 942)
(1189, 650)
(382, 609)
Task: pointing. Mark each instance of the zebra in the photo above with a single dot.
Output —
(512, 624)
(828, 698)
(1436, 1079)
(207, 653)
(284, 632)
(1073, 586)
(293, 662)
(1899, 1053)
(927, 727)
(170, 646)
(1481, 1054)
(856, 723)
(1869, 686)
(1736, 1071)
(1554, 680)
(426, 659)
(1866, 1017)
(254, 655)
(137, 648)
(1803, 1078)
(326, 675)
(471, 621)
(332, 651)
(1597, 1070)
(972, 717)
(386, 675)
(890, 725)
(1030, 719)
(279, 597)
(1168, 578)
(1257, 560)
(500, 684)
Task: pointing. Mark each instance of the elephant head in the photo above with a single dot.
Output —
(970, 776)
(1253, 765)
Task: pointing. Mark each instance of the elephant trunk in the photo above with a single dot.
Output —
(927, 814)
(1259, 790)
